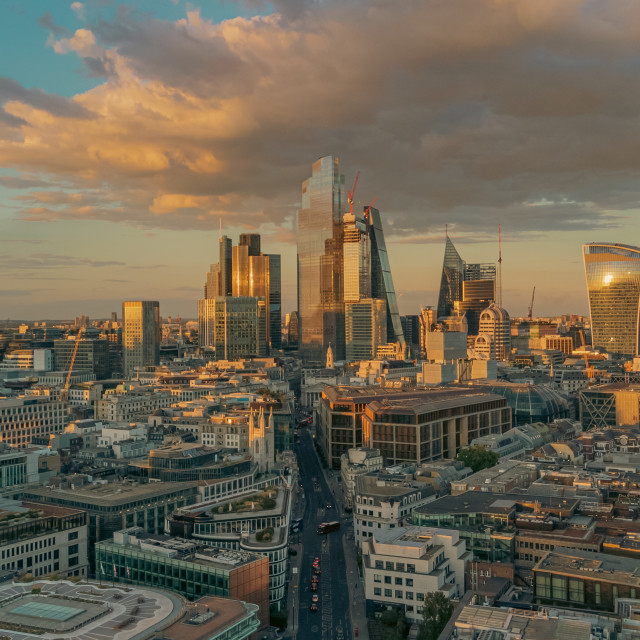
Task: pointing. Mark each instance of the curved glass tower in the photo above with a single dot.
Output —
(613, 286)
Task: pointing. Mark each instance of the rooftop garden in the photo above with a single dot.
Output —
(257, 502)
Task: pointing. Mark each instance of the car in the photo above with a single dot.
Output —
(314, 597)
(314, 586)
(314, 579)
(329, 506)
(313, 607)
(317, 570)
(293, 552)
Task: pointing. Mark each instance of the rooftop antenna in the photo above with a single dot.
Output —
(446, 230)
(499, 296)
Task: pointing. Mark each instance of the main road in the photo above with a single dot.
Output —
(331, 621)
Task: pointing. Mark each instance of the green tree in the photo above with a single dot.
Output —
(436, 611)
(477, 458)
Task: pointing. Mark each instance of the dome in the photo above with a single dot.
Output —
(533, 403)
(494, 313)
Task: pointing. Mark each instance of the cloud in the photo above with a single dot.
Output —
(47, 22)
(465, 113)
(45, 261)
(78, 9)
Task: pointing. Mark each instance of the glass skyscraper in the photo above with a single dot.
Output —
(451, 281)
(320, 268)
(381, 280)
(141, 335)
(613, 285)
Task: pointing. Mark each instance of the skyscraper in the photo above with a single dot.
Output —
(226, 267)
(451, 280)
(356, 258)
(320, 283)
(365, 328)
(494, 338)
(251, 274)
(613, 286)
(141, 335)
(381, 280)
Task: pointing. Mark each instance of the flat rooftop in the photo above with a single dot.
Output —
(51, 610)
(109, 494)
(585, 565)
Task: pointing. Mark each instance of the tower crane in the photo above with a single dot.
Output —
(351, 193)
(65, 390)
(530, 314)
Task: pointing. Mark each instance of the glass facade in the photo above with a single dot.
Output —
(319, 237)
(141, 335)
(381, 280)
(613, 285)
(451, 281)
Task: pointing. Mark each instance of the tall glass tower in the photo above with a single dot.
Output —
(320, 277)
(613, 285)
(381, 280)
(451, 281)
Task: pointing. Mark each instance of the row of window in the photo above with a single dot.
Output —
(387, 580)
(390, 593)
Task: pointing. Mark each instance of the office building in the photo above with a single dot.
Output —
(385, 500)
(244, 272)
(406, 426)
(356, 258)
(356, 462)
(141, 335)
(585, 580)
(381, 280)
(293, 330)
(192, 569)
(234, 327)
(401, 566)
(494, 334)
(225, 287)
(114, 506)
(26, 418)
(320, 264)
(465, 289)
(365, 328)
(91, 355)
(42, 540)
(450, 281)
(613, 286)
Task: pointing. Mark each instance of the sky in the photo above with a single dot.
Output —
(130, 131)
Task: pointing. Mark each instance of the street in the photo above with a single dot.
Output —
(332, 620)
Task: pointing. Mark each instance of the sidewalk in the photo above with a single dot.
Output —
(293, 595)
(354, 582)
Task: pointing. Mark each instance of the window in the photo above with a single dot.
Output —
(576, 590)
(409, 595)
(420, 596)
(399, 581)
(597, 593)
(559, 587)
(377, 577)
(387, 579)
(398, 594)
(409, 582)
(387, 593)
(73, 549)
(73, 535)
(411, 568)
(377, 591)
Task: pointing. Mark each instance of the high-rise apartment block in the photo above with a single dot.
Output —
(613, 286)
(141, 335)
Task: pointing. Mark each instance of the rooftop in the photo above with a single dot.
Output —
(585, 564)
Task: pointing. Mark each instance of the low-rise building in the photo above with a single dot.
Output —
(42, 540)
(585, 580)
(356, 462)
(26, 418)
(401, 566)
(384, 500)
(134, 556)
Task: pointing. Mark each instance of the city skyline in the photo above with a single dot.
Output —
(117, 165)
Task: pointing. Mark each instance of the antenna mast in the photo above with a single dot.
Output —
(499, 287)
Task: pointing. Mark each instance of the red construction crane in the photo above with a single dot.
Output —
(65, 390)
(533, 295)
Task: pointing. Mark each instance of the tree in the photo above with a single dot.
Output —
(436, 611)
(477, 458)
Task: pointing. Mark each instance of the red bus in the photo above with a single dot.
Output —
(328, 527)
